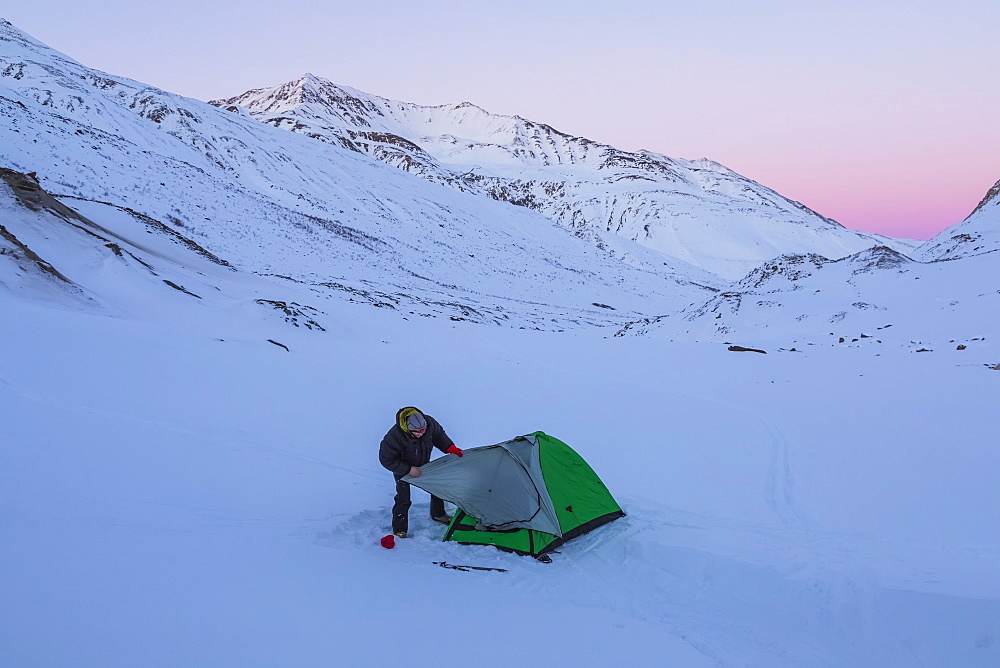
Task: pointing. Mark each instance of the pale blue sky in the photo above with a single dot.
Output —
(878, 114)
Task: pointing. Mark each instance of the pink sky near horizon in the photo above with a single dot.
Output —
(878, 115)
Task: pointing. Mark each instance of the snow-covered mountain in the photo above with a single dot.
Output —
(943, 296)
(324, 217)
(978, 233)
(874, 298)
(276, 203)
(694, 210)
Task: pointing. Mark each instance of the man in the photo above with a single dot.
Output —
(404, 449)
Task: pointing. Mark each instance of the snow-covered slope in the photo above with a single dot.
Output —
(695, 210)
(978, 233)
(23, 272)
(874, 298)
(278, 203)
(942, 296)
(112, 261)
(181, 492)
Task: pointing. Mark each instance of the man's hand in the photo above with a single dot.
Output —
(414, 471)
(453, 450)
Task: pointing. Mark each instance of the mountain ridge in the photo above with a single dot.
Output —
(325, 216)
(274, 203)
(977, 234)
(581, 184)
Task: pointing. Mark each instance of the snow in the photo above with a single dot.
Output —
(870, 300)
(182, 491)
(188, 450)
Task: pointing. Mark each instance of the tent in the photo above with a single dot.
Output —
(527, 495)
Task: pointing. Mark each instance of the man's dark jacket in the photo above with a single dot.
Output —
(399, 450)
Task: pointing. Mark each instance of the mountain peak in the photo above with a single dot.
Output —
(310, 86)
(11, 33)
(469, 105)
(319, 85)
(992, 196)
(310, 81)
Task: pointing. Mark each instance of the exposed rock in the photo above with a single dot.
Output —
(741, 349)
(180, 287)
(875, 258)
(295, 313)
(791, 267)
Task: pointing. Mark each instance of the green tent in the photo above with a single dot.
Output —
(528, 495)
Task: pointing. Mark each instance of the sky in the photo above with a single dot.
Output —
(878, 115)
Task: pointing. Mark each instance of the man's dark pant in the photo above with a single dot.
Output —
(401, 507)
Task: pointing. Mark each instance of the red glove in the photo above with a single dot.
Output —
(388, 542)
(452, 450)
